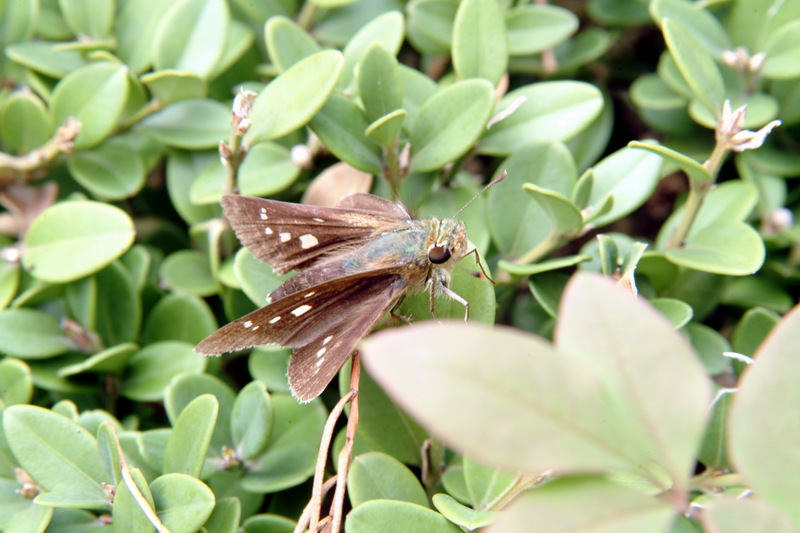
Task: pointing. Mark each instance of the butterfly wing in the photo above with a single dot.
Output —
(294, 236)
(301, 317)
(314, 365)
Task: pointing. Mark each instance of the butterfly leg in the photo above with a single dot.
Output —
(474, 252)
(393, 311)
(444, 289)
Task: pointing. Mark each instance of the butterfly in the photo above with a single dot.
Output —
(354, 261)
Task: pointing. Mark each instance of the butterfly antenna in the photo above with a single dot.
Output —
(491, 184)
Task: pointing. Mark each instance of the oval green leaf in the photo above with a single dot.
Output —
(449, 123)
(389, 516)
(190, 124)
(188, 442)
(95, 96)
(183, 503)
(550, 111)
(376, 476)
(71, 240)
(112, 171)
(152, 368)
(191, 36)
(294, 97)
(480, 44)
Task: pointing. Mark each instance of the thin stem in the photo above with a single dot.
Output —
(306, 16)
(346, 455)
(697, 195)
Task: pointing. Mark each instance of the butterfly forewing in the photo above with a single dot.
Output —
(292, 236)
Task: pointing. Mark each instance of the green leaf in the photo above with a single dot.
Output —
(677, 312)
(170, 86)
(782, 50)
(702, 24)
(385, 130)
(47, 58)
(294, 97)
(152, 368)
(182, 169)
(31, 334)
(119, 307)
(565, 215)
(188, 271)
(769, 386)
(267, 170)
(743, 515)
(697, 173)
(191, 434)
(516, 221)
(696, 65)
(95, 96)
(449, 123)
(485, 485)
(652, 438)
(535, 28)
(289, 459)
(389, 516)
(430, 25)
(379, 82)
(386, 29)
(16, 385)
(186, 388)
(19, 21)
(58, 454)
(191, 36)
(251, 420)
(257, 278)
(111, 171)
(179, 317)
(462, 515)
(341, 127)
(226, 517)
(377, 476)
(191, 124)
(287, 42)
(629, 176)
(585, 504)
(93, 20)
(73, 239)
(725, 247)
(137, 23)
(112, 360)
(182, 503)
(550, 111)
(126, 509)
(480, 44)
(24, 122)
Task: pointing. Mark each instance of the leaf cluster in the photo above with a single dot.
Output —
(586, 407)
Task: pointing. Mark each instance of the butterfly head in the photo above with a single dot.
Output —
(449, 241)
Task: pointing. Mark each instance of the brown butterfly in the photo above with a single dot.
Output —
(355, 262)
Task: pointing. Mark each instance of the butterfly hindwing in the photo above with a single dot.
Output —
(314, 365)
(301, 317)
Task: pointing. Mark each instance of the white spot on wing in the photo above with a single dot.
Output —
(285, 237)
(315, 219)
(321, 351)
(255, 328)
(247, 324)
(309, 294)
(303, 309)
(327, 339)
(267, 231)
(308, 241)
(274, 320)
(264, 213)
(319, 362)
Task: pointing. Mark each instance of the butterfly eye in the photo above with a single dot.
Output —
(438, 254)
